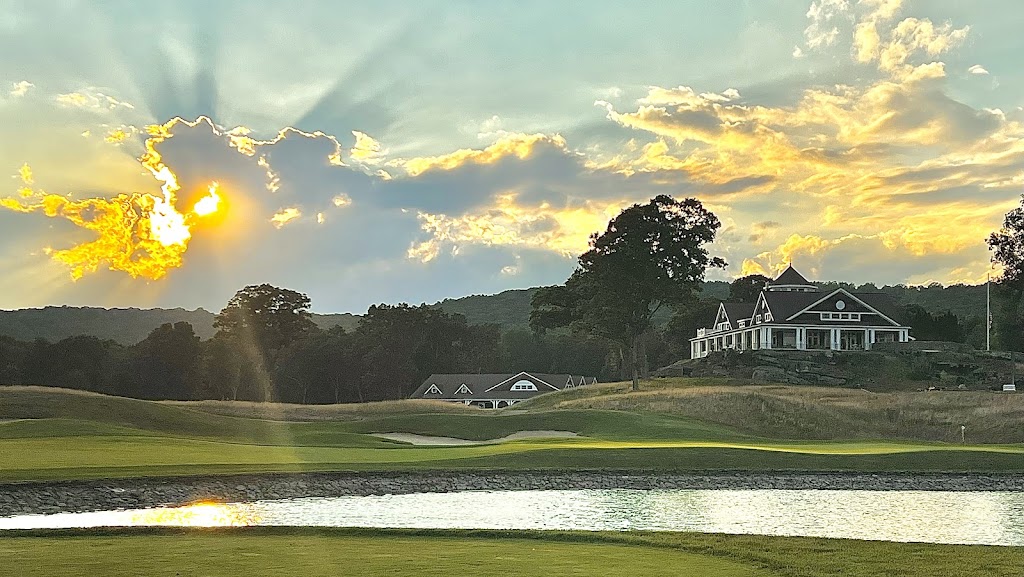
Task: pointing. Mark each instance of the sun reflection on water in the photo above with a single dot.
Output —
(207, 514)
(203, 514)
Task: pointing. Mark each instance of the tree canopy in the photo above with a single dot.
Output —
(1007, 245)
(747, 288)
(268, 316)
(651, 255)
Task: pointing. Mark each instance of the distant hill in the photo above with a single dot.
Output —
(125, 326)
(509, 309)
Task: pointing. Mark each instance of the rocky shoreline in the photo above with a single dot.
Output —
(79, 496)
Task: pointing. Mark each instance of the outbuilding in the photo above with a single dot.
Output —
(495, 391)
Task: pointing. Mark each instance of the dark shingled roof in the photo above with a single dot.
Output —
(478, 383)
(738, 312)
(785, 304)
(884, 304)
(791, 277)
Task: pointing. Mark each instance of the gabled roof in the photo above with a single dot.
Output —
(872, 303)
(884, 304)
(791, 277)
(484, 386)
(737, 312)
(785, 304)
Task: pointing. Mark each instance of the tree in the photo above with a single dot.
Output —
(1007, 246)
(267, 317)
(651, 255)
(746, 289)
(168, 362)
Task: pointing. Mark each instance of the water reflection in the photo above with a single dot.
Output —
(995, 518)
(196, 515)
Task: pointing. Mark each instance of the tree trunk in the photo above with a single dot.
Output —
(645, 365)
(633, 353)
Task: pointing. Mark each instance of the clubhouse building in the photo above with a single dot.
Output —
(495, 391)
(791, 313)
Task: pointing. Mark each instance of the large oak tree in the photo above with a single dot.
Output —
(1007, 245)
(651, 255)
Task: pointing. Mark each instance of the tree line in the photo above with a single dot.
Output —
(266, 349)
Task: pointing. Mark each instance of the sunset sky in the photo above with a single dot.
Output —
(412, 151)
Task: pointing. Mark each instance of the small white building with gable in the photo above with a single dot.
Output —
(793, 313)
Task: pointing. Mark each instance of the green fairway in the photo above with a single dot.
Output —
(367, 552)
(52, 434)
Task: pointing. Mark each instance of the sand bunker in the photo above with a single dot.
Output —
(450, 441)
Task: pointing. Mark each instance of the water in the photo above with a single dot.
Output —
(990, 518)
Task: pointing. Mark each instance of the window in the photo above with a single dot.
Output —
(433, 390)
(840, 316)
(524, 385)
(758, 318)
(743, 324)
(767, 317)
(464, 390)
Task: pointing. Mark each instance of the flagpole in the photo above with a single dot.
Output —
(988, 312)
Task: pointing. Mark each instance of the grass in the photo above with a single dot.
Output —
(321, 552)
(54, 434)
(804, 412)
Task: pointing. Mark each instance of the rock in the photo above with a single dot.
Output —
(764, 375)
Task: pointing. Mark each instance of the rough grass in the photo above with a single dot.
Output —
(342, 412)
(322, 552)
(802, 412)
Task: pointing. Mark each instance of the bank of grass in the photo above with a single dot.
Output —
(367, 552)
(50, 434)
(804, 412)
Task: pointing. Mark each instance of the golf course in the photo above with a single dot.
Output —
(54, 435)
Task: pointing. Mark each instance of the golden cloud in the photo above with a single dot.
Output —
(520, 146)
(91, 98)
(563, 230)
(284, 216)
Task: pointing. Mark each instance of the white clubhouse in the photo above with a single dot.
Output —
(792, 313)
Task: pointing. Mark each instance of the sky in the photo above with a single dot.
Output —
(166, 155)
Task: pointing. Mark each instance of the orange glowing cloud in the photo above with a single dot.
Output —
(142, 234)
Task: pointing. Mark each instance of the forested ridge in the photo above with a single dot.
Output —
(508, 309)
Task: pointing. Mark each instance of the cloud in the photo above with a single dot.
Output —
(365, 149)
(91, 98)
(21, 88)
(283, 217)
(519, 145)
(823, 16)
(977, 69)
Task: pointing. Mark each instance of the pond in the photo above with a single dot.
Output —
(991, 517)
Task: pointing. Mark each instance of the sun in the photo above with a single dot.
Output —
(210, 203)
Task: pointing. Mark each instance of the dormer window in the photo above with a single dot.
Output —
(433, 390)
(524, 385)
(464, 390)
